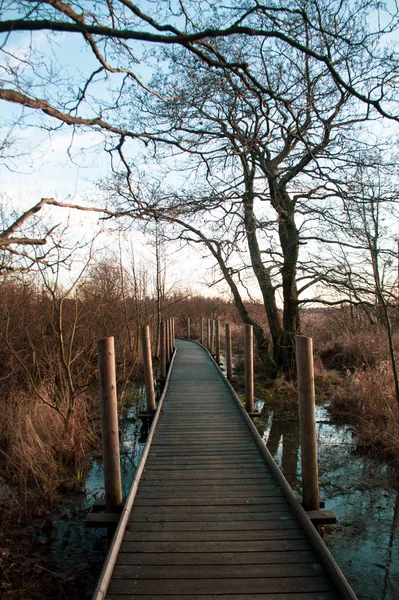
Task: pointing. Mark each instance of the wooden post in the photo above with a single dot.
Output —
(307, 423)
(168, 351)
(201, 336)
(229, 353)
(162, 341)
(211, 346)
(249, 368)
(109, 424)
(148, 375)
(188, 328)
(217, 344)
(172, 335)
(208, 334)
(170, 338)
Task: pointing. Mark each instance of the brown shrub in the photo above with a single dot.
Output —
(368, 399)
(39, 454)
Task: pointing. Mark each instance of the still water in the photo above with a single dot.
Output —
(362, 492)
(75, 554)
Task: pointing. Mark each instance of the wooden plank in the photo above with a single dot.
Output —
(209, 473)
(223, 586)
(101, 519)
(206, 492)
(230, 486)
(307, 569)
(201, 483)
(245, 454)
(217, 425)
(215, 436)
(211, 514)
(230, 546)
(296, 533)
(205, 446)
(256, 500)
(182, 462)
(217, 558)
(322, 517)
(255, 596)
(185, 475)
(244, 459)
(232, 525)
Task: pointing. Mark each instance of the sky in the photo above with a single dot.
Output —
(54, 176)
(56, 165)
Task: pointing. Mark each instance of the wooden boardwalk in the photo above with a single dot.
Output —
(211, 519)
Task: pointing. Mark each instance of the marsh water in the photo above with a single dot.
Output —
(73, 553)
(362, 492)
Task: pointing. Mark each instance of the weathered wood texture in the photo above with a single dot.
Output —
(229, 353)
(307, 421)
(148, 375)
(210, 521)
(109, 423)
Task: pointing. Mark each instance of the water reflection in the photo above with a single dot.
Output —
(75, 553)
(362, 491)
(283, 441)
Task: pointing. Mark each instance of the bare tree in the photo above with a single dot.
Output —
(19, 250)
(247, 157)
(117, 34)
(357, 238)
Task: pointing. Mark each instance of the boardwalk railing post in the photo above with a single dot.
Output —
(307, 422)
(201, 335)
(172, 334)
(162, 342)
(188, 328)
(167, 334)
(211, 346)
(249, 368)
(148, 375)
(229, 353)
(217, 335)
(109, 424)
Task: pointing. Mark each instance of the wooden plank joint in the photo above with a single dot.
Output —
(146, 415)
(99, 519)
(322, 517)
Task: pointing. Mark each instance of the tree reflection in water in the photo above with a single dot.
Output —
(284, 429)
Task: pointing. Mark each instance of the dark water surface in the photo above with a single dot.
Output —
(75, 554)
(362, 492)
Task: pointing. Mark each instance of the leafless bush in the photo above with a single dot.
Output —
(369, 400)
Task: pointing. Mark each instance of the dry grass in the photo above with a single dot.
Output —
(361, 385)
(345, 344)
(368, 399)
(39, 455)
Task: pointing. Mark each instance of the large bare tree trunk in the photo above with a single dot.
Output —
(262, 274)
(289, 241)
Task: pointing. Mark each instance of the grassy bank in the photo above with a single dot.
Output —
(362, 393)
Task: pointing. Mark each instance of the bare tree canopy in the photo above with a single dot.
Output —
(119, 36)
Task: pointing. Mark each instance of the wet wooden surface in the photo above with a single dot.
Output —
(209, 521)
